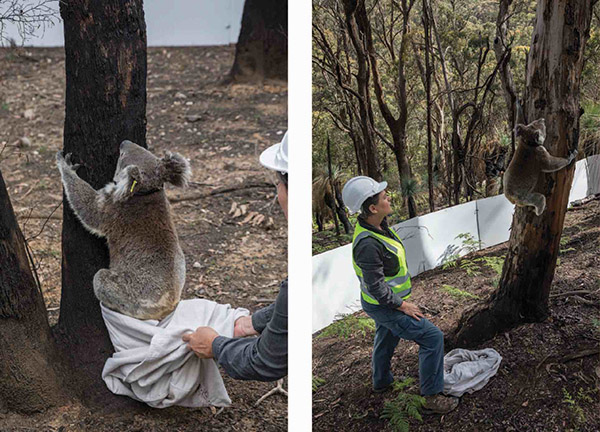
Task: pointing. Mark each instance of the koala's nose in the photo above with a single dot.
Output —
(124, 143)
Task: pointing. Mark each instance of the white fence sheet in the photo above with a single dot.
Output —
(177, 23)
(429, 241)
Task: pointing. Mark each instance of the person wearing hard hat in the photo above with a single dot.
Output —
(263, 358)
(379, 261)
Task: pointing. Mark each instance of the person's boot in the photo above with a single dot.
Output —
(439, 404)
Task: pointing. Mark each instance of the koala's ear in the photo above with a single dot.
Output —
(519, 129)
(175, 169)
(129, 182)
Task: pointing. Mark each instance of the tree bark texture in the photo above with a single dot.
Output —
(105, 60)
(28, 381)
(552, 92)
(262, 47)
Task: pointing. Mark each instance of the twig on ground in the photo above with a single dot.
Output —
(568, 293)
(580, 354)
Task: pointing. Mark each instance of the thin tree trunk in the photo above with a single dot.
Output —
(105, 61)
(333, 204)
(502, 51)
(428, 97)
(262, 48)
(28, 379)
(552, 92)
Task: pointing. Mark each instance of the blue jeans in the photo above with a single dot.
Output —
(393, 325)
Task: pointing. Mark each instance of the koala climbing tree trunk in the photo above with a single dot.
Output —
(262, 49)
(28, 381)
(554, 68)
(105, 62)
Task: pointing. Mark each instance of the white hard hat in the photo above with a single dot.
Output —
(358, 189)
(276, 156)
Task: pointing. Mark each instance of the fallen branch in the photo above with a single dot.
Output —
(564, 294)
(580, 354)
(220, 191)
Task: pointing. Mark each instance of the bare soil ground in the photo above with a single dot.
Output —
(537, 388)
(232, 257)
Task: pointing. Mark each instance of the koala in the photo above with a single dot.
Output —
(530, 159)
(147, 267)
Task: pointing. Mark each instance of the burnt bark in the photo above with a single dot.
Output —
(426, 27)
(105, 61)
(262, 48)
(552, 92)
(28, 361)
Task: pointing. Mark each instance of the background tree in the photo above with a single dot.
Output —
(552, 92)
(262, 48)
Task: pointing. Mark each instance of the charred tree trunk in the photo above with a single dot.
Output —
(105, 61)
(363, 97)
(331, 201)
(262, 48)
(428, 97)
(552, 92)
(28, 378)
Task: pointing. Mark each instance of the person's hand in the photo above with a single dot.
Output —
(243, 327)
(412, 310)
(201, 341)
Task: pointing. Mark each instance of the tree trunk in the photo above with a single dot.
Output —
(262, 48)
(502, 50)
(105, 61)
(362, 80)
(428, 97)
(28, 381)
(332, 203)
(552, 92)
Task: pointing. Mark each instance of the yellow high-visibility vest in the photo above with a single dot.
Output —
(399, 282)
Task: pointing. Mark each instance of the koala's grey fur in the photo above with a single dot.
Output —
(147, 266)
(530, 159)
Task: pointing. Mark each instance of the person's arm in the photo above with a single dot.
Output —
(261, 317)
(368, 255)
(263, 358)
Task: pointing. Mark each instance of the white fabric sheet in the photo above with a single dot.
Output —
(468, 371)
(153, 365)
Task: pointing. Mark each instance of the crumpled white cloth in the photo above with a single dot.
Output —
(468, 371)
(153, 365)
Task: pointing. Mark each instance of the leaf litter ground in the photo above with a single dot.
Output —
(230, 258)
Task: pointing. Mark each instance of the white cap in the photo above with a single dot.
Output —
(276, 156)
(358, 189)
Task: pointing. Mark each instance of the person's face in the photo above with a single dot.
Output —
(282, 197)
(383, 207)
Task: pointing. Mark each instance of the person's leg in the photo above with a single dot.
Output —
(383, 347)
(430, 340)
(383, 350)
(431, 358)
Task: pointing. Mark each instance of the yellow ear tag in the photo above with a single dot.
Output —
(132, 186)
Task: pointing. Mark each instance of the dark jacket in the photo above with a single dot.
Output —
(262, 358)
(377, 262)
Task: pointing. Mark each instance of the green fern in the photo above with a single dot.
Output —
(403, 407)
(316, 383)
(348, 326)
(456, 292)
(471, 267)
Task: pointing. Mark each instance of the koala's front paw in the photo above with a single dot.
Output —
(572, 156)
(66, 161)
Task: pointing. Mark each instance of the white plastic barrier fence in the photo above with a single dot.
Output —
(429, 240)
(177, 23)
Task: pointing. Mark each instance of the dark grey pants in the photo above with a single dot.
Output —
(393, 325)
